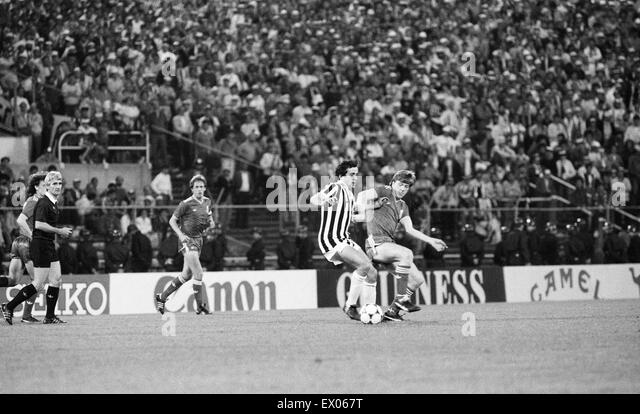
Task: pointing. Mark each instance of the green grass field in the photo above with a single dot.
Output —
(550, 347)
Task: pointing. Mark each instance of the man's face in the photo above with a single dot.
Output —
(400, 189)
(198, 189)
(350, 177)
(55, 187)
(41, 188)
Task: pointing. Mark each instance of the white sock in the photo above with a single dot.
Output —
(356, 287)
(368, 293)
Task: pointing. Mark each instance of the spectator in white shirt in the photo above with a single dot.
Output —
(182, 125)
(633, 131)
(555, 129)
(374, 150)
(161, 185)
(143, 222)
(71, 93)
(564, 167)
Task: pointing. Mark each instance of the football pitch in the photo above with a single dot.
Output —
(547, 347)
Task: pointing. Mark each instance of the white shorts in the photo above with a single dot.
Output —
(333, 255)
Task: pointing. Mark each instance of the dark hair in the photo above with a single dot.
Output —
(344, 166)
(35, 181)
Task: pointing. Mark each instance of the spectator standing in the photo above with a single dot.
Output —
(256, 254)
(161, 185)
(286, 251)
(214, 250)
(86, 254)
(471, 247)
(116, 253)
(158, 125)
(305, 247)
(170, 258)
(141, 251)
(67, 255)
(71, 93)
(243, 189)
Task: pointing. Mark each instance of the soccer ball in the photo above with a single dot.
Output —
(371, 314)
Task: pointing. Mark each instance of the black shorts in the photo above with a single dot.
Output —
(43, 253)
(20, 249)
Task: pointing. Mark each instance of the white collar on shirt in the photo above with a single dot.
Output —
(52, 198)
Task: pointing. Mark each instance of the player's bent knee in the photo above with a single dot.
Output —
(39, 285)
(55, 282)
(370, 272)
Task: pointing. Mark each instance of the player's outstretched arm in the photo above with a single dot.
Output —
(437, 244)
(325, 197)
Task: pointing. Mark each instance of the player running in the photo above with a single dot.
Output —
(20, 257)
(337, 212)
(389, 210)
(194, 217)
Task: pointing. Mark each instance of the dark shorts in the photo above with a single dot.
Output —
(192, 244)
(20, 249)
(43, 253)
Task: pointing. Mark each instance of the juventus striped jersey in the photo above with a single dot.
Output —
(335, 219)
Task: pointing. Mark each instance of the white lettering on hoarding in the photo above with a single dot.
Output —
(550, 285)
(72, 297)
(244, 298)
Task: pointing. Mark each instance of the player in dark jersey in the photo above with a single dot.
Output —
(389, 210)
(46, 265)
(337, 210)
(190, 221)
(20, 258)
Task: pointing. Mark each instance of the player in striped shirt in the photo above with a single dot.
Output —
(190, 220)
(20, 257)
(389, 210)
(337, 211)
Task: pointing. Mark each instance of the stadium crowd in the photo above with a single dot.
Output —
(485, 100)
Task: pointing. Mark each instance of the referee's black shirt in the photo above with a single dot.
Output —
(46, 211)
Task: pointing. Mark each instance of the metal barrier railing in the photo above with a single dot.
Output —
(143, 137)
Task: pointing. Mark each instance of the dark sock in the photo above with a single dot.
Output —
(52, 299)
(24, 294)
(4, 281)
(28, 306)
(197, 293)
(175, 285)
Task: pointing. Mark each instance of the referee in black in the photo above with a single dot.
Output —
(43, 252)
